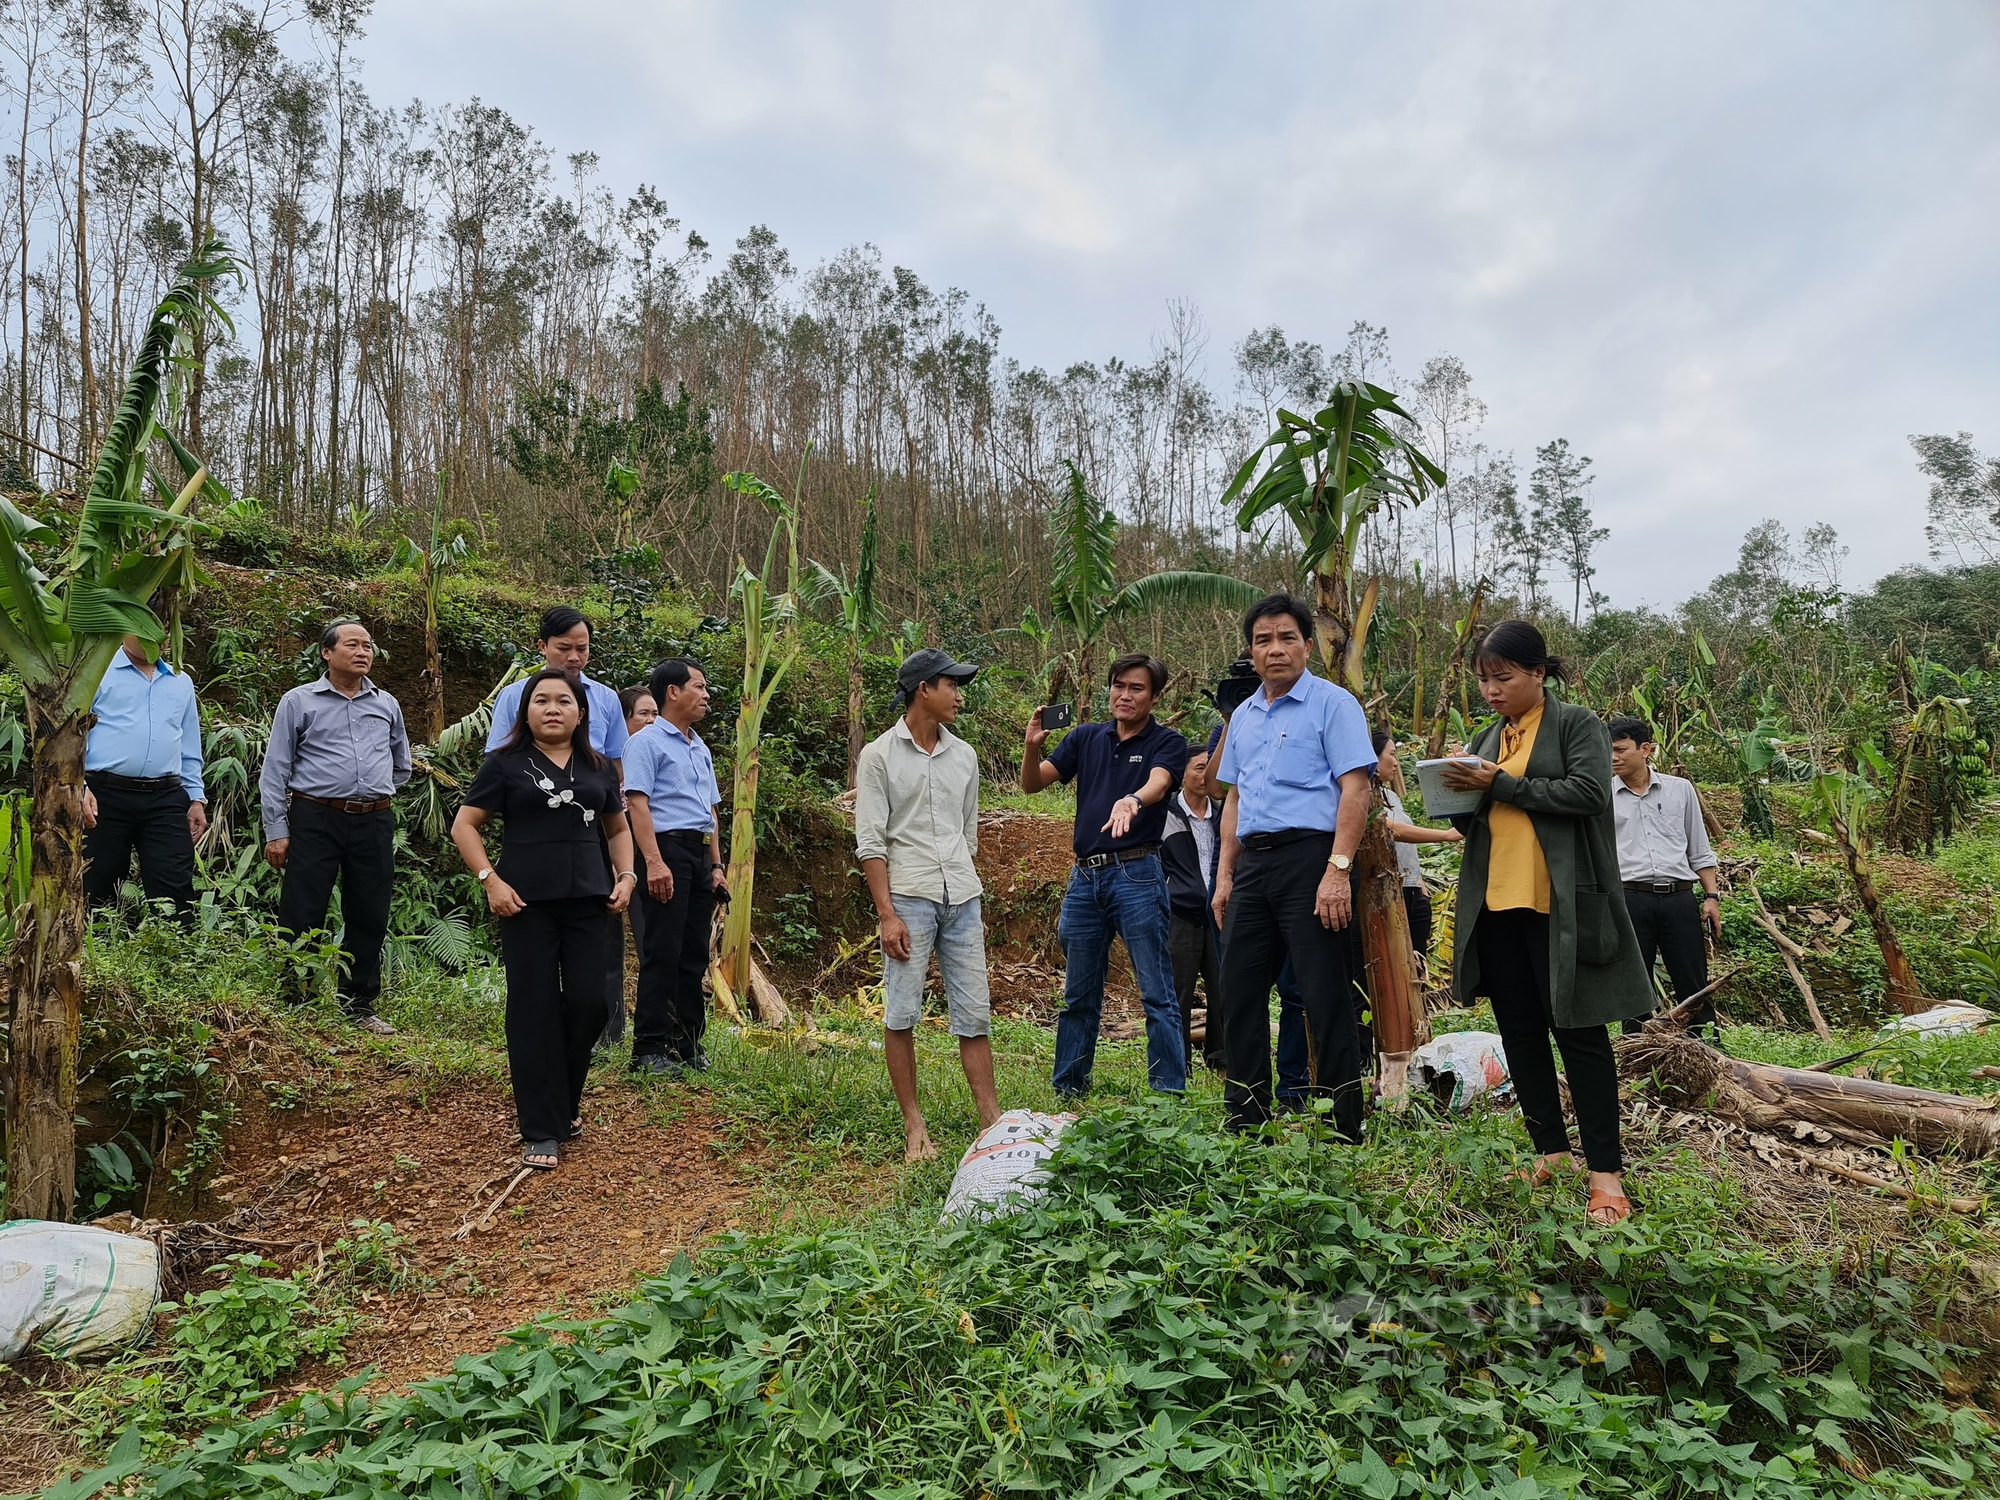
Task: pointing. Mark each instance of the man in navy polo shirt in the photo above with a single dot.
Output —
(1124, 773)
(1297, 759)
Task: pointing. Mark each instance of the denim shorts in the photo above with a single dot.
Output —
(958, 937)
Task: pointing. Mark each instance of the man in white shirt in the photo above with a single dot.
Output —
(1663, 855)
(916, 830)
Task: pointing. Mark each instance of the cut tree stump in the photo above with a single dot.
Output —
(1761, 1096)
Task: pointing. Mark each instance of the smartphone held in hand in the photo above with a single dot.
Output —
(1058, 716)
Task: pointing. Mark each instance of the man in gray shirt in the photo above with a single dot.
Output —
(1663, 854)
(916, 830)
(338, 754)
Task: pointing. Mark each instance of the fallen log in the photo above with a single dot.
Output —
(1761, 1096)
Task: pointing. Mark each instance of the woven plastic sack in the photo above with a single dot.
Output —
(73, 1290)
(1950, 1018)
(1003, 1170)
(1460, 1066)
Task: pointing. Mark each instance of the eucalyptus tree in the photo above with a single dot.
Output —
(433, 563)
(60, 629)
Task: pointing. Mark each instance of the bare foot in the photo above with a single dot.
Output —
(917, 1146)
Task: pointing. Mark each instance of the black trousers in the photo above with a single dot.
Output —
(1669, 927)
(358, 850)
(554, 953)
(155, 825)
(1271, 917)
(1417, 903)
(1514, 972)
(672, 1014)
(1197, 956)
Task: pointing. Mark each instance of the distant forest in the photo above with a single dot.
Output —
(432, 299)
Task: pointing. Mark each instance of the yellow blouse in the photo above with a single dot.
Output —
(1516, 873)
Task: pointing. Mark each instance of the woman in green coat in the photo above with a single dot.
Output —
(1541, 924)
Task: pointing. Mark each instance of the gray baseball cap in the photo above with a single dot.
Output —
(922, 666)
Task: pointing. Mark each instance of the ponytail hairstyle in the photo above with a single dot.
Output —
(1519, 644)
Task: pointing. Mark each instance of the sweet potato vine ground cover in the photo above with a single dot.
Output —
(1192, 1314)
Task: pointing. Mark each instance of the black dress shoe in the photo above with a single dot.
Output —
(696, 1064)
(657, 1064)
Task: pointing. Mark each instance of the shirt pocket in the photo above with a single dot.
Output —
(1299, 763)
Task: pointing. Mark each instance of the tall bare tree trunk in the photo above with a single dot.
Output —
(46, 1006)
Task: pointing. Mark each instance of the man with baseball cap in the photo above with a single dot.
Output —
(916, 830)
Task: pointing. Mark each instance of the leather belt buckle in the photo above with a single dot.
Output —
(1666, 887)
(1096, 861)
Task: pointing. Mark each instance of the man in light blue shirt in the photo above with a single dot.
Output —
(142, 780)
(563, 638)
(671, 795)
(1297, 759)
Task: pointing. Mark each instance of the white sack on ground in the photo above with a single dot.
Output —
(1951, 1018)
(1002, 1170)
(1460, 1066)
(73, 1290)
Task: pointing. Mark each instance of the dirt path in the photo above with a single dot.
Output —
(651, 1176)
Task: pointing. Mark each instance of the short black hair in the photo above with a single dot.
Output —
(673, 672)
(1136, 661)
(1272, 605)
(1631, 727)
(629, 699)
(560, 619)
(1380, 739)
(330, 636)
(1520, 644)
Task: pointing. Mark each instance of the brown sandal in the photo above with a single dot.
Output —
(1540, 1175)
(1615, 1204)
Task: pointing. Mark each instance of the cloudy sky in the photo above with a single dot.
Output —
(1735, 252)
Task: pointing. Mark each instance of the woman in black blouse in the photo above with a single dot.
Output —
(554, 896)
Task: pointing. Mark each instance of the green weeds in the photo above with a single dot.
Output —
(1186, 1313)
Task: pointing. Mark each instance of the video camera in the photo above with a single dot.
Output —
(1234, 688)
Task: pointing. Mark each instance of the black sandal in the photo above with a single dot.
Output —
(541, 1156)
(575, 1129)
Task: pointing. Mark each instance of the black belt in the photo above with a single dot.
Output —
(355, 805)
(132, 783)
(685, 835)
(1277, 838)
(1661, 887)
(1117, 856)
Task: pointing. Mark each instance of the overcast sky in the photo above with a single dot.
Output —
(1735, 252)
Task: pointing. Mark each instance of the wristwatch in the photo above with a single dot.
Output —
(485, 874)
(1342, 862)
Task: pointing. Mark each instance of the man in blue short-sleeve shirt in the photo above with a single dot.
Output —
(563, 638)
(1297, 759)
(1124, 772)
(671, 794)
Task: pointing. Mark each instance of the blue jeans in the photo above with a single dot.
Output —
(1130, 900)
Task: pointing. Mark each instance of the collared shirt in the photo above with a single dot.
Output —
(1285, 759)
(1660, 834)
(1406, 854)
(146, 727)
(1203, 828)
(607, 716)
(1517, 872)
(1106, 768)
(675, 773)
(920, 813)
(326, 744)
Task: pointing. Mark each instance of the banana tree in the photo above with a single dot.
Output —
(1849, 801)
(1087, 599)
(770, 647)
(60, 630)
(432, 564)
(862, 621)
(1329, 474)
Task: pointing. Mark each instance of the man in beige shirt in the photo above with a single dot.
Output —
(916, 830)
